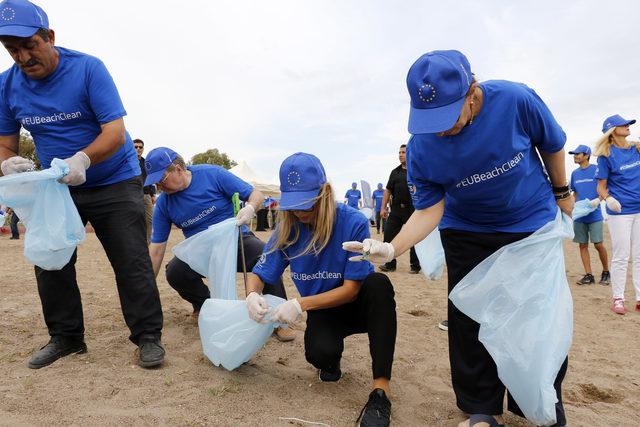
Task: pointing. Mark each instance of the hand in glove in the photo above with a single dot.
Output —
(16, 164)
(594, 203)
(78, 165)
(287, 312)
(257, 307)
(613, 204)
(371, 249)
(245, 215)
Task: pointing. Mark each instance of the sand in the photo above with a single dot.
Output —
(106, 387)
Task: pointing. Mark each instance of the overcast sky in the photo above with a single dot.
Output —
(261, 80)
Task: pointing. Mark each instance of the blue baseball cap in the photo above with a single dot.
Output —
(157, 162)
(21, 18)
(354, 184)
(379, 185)
(581, 149)
(614, 121)
(301, 176)
(437, 82)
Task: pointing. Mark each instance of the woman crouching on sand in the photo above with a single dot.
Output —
(341, 298)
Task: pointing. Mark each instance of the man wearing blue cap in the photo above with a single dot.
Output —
(378, 196)
(585, 186)
(194, 198)
(71, 106)
(353, 196)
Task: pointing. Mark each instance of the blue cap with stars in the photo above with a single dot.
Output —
(615, 121)
(21, 18)
(437, 82)
(301, 177)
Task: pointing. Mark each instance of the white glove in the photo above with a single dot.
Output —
(16, 164)
(245, 215)
(78, 165)
(594, 203)
(613, 204)
(371, 249)
(287, 312)
(257, 307)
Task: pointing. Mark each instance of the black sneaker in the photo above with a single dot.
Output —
(444, 325)
(605, 279)
(330, 375)
(386, 268)
(377, 411)
(587, 279)
(414, 270)
(151, 351)
(57, 347)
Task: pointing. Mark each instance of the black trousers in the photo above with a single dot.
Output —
(397, 218)
(117, 215)
(191, 287)
(373, 312)
(15, 233)
(380, 222)
(473, 372)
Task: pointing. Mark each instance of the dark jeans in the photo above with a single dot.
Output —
(380, 222)
(116, 213)
(373, 312)
(15, 233)
(397, 218)
(473, 372)
(191, 287)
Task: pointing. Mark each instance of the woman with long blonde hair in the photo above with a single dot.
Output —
(619, 184)
(341, 298)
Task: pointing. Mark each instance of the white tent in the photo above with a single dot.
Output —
(242, 170)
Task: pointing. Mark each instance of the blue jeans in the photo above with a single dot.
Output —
(15, 233)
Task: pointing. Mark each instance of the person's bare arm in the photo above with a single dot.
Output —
(156, 253)
(110, 139)
(8, 146)
(335, 297)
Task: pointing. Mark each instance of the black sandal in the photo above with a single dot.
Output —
(482, 418)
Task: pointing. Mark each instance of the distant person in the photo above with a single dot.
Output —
(353, 196)
(194, 198)
(619, 185)
(148, 191)
(341, 298)
(397, 192)
(378, 196)
(15, 231)
(69, 103)
(584, 185)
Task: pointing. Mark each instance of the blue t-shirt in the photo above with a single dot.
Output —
(64, 112)
(490, 174)
(583, 182)
(377, 196)
(206, 201)
(315, 274)
(622, 172)
(352, 197)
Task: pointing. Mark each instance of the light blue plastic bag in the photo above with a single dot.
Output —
(431, 255)
(521, 298)
(583, 208)
(45, 207)
(229, 337)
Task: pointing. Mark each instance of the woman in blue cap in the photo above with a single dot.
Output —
(474, 167)
(341, 298)
(619, 185)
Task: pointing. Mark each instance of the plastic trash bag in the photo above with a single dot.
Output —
(45, 207)
(521, 298)
(213, 253)
(583, 208)
(229, 337)
(367, 212)
(431, 255)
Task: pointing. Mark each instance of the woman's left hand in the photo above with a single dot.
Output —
(566, 205)
(287, 312)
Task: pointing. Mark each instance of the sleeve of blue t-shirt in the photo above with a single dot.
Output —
(103, 95)
(543, 129)
(603, 168)
(271, 264)
(571, 184)
(228, 184)
(426, 193)
(8, 123)
(359, 195)
(161, 224)
(358, 231)
(346, 195)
